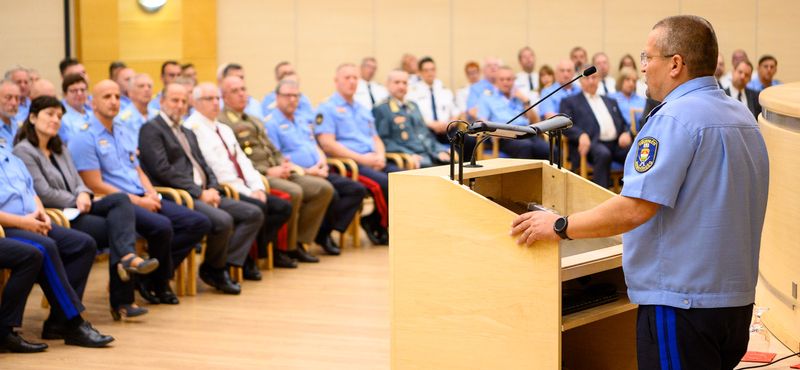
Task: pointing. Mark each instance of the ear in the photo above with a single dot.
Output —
(677, 66)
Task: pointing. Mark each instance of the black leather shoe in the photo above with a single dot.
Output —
(220, 279)
(14, 343)
(302, 256)
(383, 235)
(85, 335)
(250, 270)
(280, 259)
(329, 246)
(372, 232)
(165, 293)
(145, 289)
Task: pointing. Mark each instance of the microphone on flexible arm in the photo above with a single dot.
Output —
(509, 131)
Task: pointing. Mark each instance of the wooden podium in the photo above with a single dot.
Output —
(464, 295)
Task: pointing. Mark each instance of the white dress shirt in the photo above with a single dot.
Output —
(413, 79)
(739, 95)
(462, 95)
(216, 155)
(608, 83)
(362, 93)
(726, 80)
(421, 93)
(608, 131)
(524, 79)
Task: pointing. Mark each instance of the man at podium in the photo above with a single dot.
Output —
(691, 230)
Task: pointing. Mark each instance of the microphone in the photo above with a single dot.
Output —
(558, 122)
(502, 130)
(586, 72)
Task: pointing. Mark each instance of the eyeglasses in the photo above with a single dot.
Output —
(209, 98)
(291, 96)
(646, 58)
(76, 91)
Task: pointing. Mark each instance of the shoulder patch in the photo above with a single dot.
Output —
(84, 127)
(232, 117)
(393, 106)
(320, 118)
(19, 123)
(267, 118)
(125, 115)
(487, 92)
(646, 150)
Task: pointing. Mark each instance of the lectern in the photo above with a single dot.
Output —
(464, 295)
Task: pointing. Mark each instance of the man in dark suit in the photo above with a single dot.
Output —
(599, 132)
(739, 91)
(171, 157)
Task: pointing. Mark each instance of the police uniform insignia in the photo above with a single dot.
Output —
(487, 92)
(103, 143)
(267, 118)
(402, 126)
(195, 127)
(394, 106)
(420, 136)
(341, 109)
(411, 106)
(646, 150)
(243, 133)
(125, 115)
(399, 119)
(284, 126)
(84, 127)
(272, 105)
(319, 119)
(19, 123)
(247, 143)
(132, 157)
(232, 117)
(248, 150)
(404, 135)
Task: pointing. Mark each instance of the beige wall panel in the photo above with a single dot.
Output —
(482, 28)
(99, 25)
(558, 26)
(151, 67)
(136, 40)
(38, 23)
(734, 22)
(421, 27)
(331, 33)
(778, 36)
(628, 23)
(257, 34)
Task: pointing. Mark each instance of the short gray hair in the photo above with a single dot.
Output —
(14, 69)
(184, 81)
(694, 39)
(284, 82)
(132, 81)
(368, 59)
(392, 72)
(339, 68)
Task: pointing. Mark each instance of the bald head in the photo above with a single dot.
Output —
(490, 65)
(106, 101)
(234, 93)
(565, 70)
(42, 87)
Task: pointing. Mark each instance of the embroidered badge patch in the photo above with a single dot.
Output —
(319, 119)
(646, 150)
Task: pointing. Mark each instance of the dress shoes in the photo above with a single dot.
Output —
(281, 259)
(329, 246)
(165, 293)
(302, 256)
(14, 343)
(84, 335)
(220, 279)
(145, 288)
(371, 230)
(383, 235)
(250, 270)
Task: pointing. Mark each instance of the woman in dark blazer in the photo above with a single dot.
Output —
(109, 220)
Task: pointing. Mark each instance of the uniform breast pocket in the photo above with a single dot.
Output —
(108, 158)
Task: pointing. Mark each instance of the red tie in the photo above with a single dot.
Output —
(232, 157)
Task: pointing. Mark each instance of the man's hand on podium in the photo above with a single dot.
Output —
(534, 226)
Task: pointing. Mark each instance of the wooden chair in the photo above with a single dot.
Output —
(352, 229)
(634, 121)
(4, 273)
(230, 192)
(586, 171)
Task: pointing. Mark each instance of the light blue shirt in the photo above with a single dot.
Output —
(625, 104)
(124, 102)
(352, 124)
(304, 107)
(132, 119)
(479, 90)
(7, 134)
(553, 103)
(294, 139)
(16, 186)
(72, 121)
(253, 108)
(24, 109)
(114, 154)
(700, 156)
(155, 104)
(498, 108)
(756, 85)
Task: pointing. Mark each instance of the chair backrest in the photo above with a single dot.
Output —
(634, 121)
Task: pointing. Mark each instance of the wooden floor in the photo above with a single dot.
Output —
(330, 315)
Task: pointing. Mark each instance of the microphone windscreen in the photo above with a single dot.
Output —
(589, 71)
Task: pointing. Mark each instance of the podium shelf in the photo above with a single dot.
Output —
(597, 313)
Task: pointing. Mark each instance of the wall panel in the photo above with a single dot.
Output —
(734, 22)
(33, 37)
(777, 35)
(558, 26)
(628, 22)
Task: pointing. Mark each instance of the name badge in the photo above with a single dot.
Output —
(103, 143)
(399, 119)
(341, 109)
(284, 126)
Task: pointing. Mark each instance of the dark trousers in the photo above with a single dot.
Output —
(234, 227)
(600, 156)
(171, 234)
(698, 338)
(67, 255)
(347, 198)
(25, 262)
(276, 212)
(382, 179)
(109, 224)
(531, 148)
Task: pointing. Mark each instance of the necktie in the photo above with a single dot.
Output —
(433, 103)
(232, 157)
(605, 87)
(187, 149)
(530, 81)
(371, 98)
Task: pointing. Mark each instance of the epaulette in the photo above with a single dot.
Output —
(85, 126)
(125, 115)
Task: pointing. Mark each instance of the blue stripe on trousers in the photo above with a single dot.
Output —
(667, 338)
(55, 284)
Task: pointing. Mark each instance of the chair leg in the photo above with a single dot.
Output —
(191, 271)
(236, 274)
(180, 278)
(270, 257)
(354, 231)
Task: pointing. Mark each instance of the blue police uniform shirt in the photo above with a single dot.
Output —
(498, 108)
(16, 186)
(304, 107)
(352, 124)
(293, 139)
(124, 102)
(625, 104)
(24, 109)
(253, 108)
(72, 121)
(553, 103)
(114, 154)
(700, 156)
(756, 85)
(478, 91)
(155, 104)
(7, 134)
(133, 120)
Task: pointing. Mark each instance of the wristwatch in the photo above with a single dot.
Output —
(560, 227)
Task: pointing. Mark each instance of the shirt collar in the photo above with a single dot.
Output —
(590, 97)
(339, 100)
(283, 117)
(201, 120)
(167, 120)
(706, 82)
